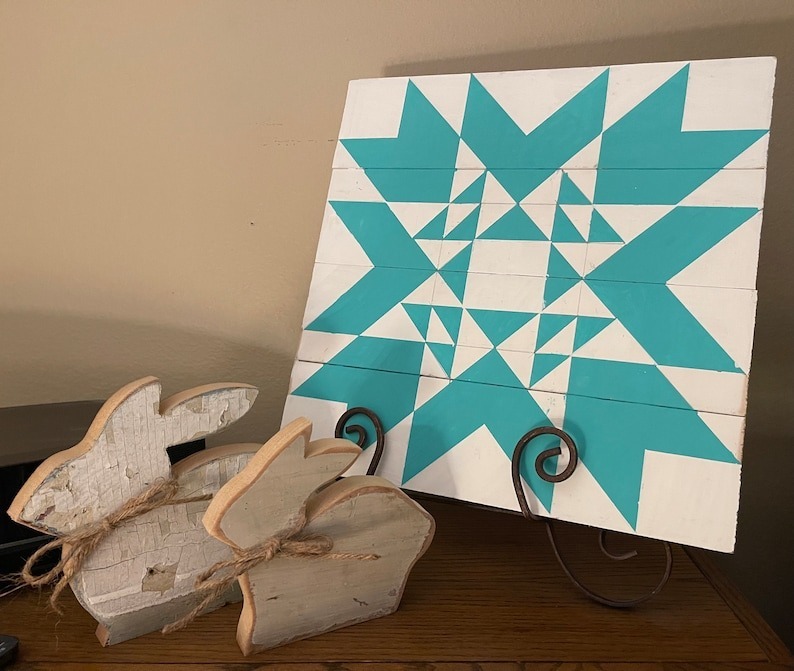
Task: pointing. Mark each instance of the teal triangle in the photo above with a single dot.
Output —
(587, 328)
(435, 229)
(473, 192)
(456, 281)
(556, 287)
(558, 266)
(499, 325)
(460, 261)
(600, 230)
(570, 194)
(563, 229)
(450, 318)
(515, 224)
(420, 316)
(466, 229)
(443, 354)
(491, 369)
(543, 364)
(550, 326)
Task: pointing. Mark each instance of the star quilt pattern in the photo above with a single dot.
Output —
(575, 247)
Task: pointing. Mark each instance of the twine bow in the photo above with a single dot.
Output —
(77, 545)
(289, 543)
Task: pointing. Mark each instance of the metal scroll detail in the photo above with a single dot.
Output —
(361, 433)
(573, 460)
(361, 438)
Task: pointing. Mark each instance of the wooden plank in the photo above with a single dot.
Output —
(290, 597)
(487, 590)
(747, 614)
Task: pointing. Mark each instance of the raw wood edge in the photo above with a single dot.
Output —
(167, 405)
(322, 501)
(202, 457)
(239, 484)
(50, 464)
(764, 636)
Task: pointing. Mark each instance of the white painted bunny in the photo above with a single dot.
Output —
(141, 576)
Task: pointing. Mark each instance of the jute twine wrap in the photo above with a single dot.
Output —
(288, 543)
(77, 545)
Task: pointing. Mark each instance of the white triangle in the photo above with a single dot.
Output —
(423, 294)
(490, 213)
(447, 93)
(470, 333)
(520, 363)
(730, 188)
(557, 379)
(733, 262)
(415, 216)
(631, 220)
(456, 214)
(342, 158)
(590, 305)
(631, 84)
(586, 158)
(585, 180)
(542, 215)
(567, 304)
(494, 192)
(329, 282)
(461, 180)
(466, 357)
(392, 462)
(322, 347)
(562, 343)
(587, 503)
(395, 324)
(432, 250)
(467, 159)
(450, 249)
(547, 191)
(349, 184)
(580, 216)
(598, 252)
(430, 366)
(475, 470)
(614, 343)
(337, 245)
(575, 253)
(532, 96)
(443, 295)
(436, 332)
(729, 429)
(428, 387)
(727, 314)
(752, 157)
(524, 339)
(709, 390)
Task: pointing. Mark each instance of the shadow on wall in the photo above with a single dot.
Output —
(763, 565)
(55, 347)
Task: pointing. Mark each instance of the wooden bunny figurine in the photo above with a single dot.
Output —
(140, 575)
(311, 558)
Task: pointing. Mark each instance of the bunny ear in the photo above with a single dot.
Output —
(271, 491)
(123, 452)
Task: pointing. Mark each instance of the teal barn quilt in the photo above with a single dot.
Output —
(577, 248)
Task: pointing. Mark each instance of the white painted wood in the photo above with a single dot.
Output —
(290, 598)
(141, 576)
(689, 501)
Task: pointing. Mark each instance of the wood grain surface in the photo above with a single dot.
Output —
(487, 596)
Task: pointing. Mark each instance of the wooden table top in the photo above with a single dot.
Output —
(488, 596)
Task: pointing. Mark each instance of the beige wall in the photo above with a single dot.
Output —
(163, 167)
